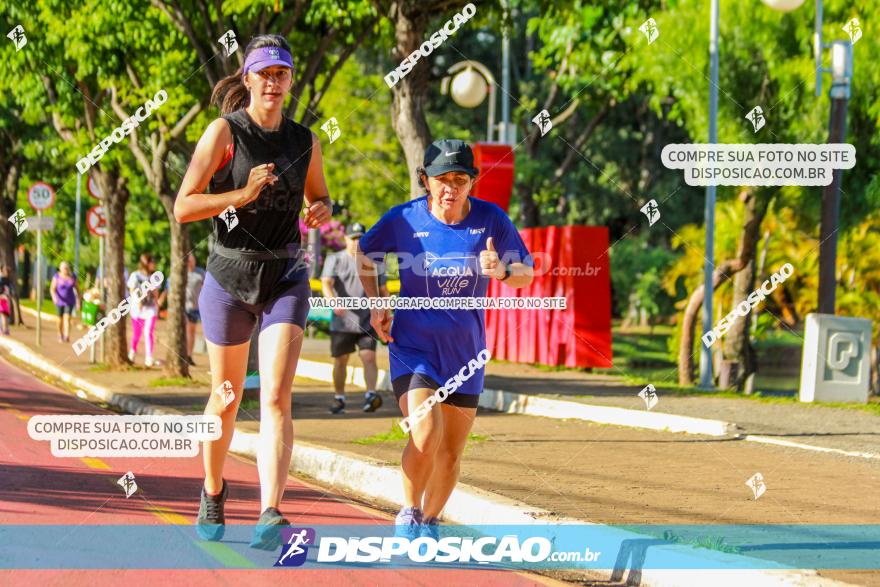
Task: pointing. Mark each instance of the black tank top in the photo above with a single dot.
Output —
(261, 257)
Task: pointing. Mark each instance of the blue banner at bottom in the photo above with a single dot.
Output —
(493, 547)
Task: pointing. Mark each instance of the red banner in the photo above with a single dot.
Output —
(570, 262)
(495, 182)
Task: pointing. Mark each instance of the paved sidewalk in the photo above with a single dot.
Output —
(839, 428)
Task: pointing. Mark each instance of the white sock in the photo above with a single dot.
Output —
(340, 397)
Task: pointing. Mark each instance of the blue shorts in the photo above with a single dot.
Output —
(228, 321)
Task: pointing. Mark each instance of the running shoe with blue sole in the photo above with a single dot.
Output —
(211, 522)
(407, 523)
(267, 534)
(430, 529)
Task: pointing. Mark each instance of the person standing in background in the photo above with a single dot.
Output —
(144, 313)
(350, 328)
(65, 296)
(5, 300)
(195, 277)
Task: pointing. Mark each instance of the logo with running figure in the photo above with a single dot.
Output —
(228, 42)
(229, 217)
(19, 221)
(542, 119)
(854, 29)
(756, 117)
(650, 30)
(128, 484)
(18, 38)
(296, 546)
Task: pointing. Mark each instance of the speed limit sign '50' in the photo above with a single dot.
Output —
(41, 196)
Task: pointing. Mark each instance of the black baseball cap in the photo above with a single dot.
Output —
(355, 229)
(448, 155)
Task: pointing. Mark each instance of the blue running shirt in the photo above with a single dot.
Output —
(441, 260)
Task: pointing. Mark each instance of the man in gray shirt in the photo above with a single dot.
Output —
(350, 328)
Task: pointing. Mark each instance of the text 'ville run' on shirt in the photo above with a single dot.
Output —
(441, 260)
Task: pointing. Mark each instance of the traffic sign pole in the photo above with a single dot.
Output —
(41, 197)
(76, 223)
(103, 301)
(39, 279)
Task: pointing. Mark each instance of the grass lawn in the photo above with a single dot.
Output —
(397, 435)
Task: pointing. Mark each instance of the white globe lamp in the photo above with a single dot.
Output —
(469, 89)
(784, 5)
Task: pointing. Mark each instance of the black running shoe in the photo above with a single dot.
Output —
(372, 402)
(338, 406)
(211, 523)
(267, 534)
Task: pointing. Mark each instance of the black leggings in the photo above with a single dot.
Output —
(404, 383)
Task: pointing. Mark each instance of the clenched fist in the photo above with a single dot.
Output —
(318, 213)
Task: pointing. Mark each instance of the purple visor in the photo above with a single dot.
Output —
(264, 57)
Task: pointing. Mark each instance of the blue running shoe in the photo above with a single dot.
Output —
(267, 534)
(430, 529)
(211, 523)
(407, 523)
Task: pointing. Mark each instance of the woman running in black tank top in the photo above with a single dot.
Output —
(260, 166)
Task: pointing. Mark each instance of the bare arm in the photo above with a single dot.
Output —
(319, 208)
(192, 202)
(327, 287)
(368, 274)
(380, 319)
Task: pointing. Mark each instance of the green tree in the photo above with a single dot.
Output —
(764, 60)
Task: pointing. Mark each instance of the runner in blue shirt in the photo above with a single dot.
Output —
(448, 245)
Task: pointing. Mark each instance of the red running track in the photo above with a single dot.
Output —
(38, 488)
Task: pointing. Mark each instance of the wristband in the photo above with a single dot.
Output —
(507, 272)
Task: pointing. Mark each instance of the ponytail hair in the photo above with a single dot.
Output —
(230, 93)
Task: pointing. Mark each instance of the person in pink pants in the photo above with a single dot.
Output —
(145, 313)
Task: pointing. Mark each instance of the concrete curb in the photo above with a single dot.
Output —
(467, 505)
(534, 405)
(323, 371)
(33, 313)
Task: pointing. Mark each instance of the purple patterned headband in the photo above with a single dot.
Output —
(264, 57)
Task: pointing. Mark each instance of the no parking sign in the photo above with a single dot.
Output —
(97, 221)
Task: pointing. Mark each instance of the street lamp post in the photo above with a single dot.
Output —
(709, 266)
(841, 74)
